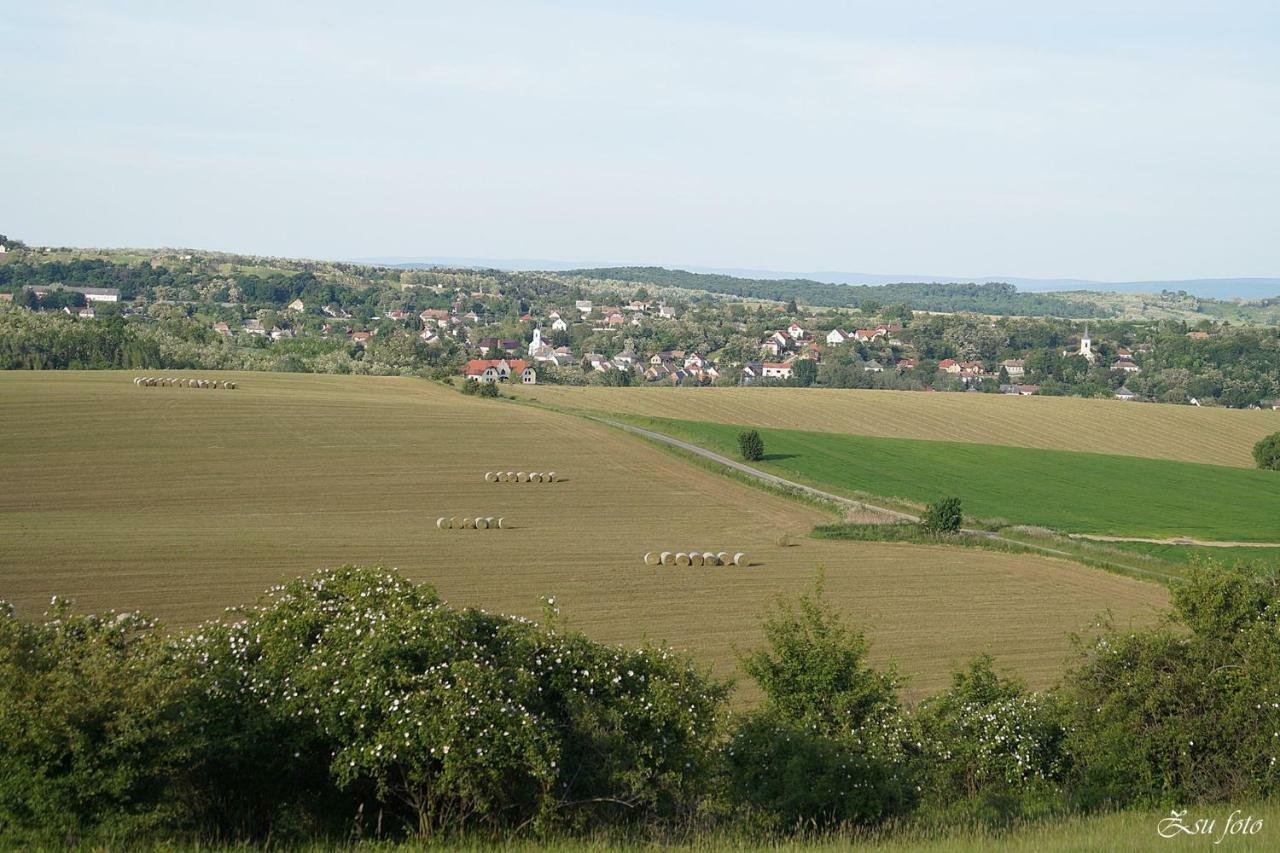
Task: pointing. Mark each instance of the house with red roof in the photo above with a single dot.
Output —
(499, 370)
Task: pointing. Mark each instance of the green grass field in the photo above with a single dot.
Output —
(1066, 491)
(1187, 554)
(181, 502)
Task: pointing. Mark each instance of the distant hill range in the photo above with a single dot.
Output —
(1211, 288)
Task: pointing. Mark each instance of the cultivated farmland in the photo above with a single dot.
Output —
(1072, 492)
(182, 502)
(1183, 433)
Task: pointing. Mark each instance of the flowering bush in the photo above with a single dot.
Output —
(987, 748)
(91, 727)
(1188, 711)
(446, 718)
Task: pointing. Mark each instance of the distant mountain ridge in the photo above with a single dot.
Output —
(1213, 288)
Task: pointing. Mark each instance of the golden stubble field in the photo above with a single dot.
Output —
(1180, 433)
(182, 501)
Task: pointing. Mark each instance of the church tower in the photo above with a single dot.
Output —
(1086, 345)
(536, 343)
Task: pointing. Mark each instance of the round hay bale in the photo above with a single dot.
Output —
(455, 523)
(502, 523)
(710, 559)
(511, 476)
(535, 477)
(682, 559)
(667, 558)
(695, 559)
(741, 559)
(482, 524)
(723, 558)
(551, 477)
(440, 523)
(522, 477)
(233, 386)
(490, 477)
(492, 522)
(468, 523)
(652, 559)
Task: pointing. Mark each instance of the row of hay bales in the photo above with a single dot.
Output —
(482, 523)
(170, 382)
(696, 558)
(519, 477)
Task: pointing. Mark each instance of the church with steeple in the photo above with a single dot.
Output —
(1086, 346)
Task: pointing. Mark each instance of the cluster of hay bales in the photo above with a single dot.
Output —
(520, 477)
(696, 558)
(487, 522)
(170, 382)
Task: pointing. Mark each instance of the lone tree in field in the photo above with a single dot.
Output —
(751, 445)
(942, 516)
(1267, 452)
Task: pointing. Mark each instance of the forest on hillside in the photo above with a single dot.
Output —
(989, 298)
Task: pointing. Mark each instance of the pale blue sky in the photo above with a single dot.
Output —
(1125, 139)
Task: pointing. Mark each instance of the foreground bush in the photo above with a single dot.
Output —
(988, 750)
(353, 697)
(356, 702)
(92, 727)
(1188, 711)
(823, 748)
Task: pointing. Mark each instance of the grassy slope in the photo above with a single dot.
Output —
(184, 501)
(1074, 492)
(1183, 433)
(1186, 554)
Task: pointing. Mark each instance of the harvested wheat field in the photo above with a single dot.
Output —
(1182, 433)
(181, 502)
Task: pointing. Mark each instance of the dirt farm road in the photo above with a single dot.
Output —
(851, 506)
(854, 507)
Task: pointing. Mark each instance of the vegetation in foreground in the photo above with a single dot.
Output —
(1062, 490)
(354, 703)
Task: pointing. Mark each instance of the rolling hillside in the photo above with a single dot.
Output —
(1182, 433)
(1067, 491)
(182, 501)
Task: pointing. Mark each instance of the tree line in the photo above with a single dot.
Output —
(988, 298)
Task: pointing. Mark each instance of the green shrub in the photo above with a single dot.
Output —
(944, 516)
(1266, 453)
(443, 719)
(824, 746)
(988, 750)
(93, 738)
(1185, 712)
(751, 445)
(488, 389)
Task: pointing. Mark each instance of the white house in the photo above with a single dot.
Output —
(559, 325)
(775, 370)
(296, 305)
(795, 331)
(1015, 367)
(837, 336)
(583, 306)
(529, 376)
